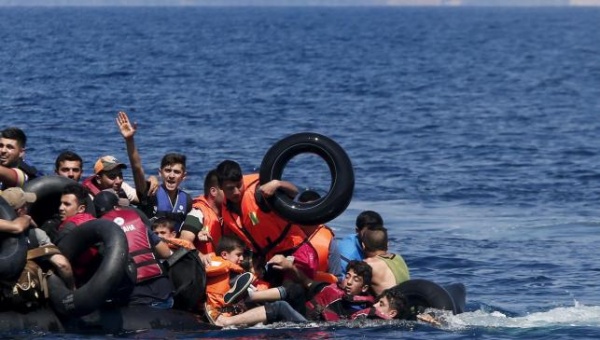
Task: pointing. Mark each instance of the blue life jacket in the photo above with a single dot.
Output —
(177, 211)
(350, 249)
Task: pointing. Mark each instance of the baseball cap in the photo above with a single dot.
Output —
(107, 163)
(17, 198)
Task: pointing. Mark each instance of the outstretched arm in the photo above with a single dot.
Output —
(12, 177)
(128, 131)
(16, 226)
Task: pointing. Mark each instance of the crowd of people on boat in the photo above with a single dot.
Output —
(259, 266)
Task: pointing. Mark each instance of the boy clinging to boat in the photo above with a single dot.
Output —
(330, 302)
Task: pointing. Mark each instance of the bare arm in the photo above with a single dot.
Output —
(12, 177)
(16, 226)
(63, 267)
(268, 189)
(128, 131)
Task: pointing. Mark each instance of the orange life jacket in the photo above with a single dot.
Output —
(320, 240)
(265, 232)
(217, 279)
(176, 243)
(211, 222)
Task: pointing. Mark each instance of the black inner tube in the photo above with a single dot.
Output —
(105, 280)
(340, 192)
(48, 190)
(422, 294)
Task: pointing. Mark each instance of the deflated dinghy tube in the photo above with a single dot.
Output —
(105, 280)
(422, 294)
(340, 192)
(13, 247)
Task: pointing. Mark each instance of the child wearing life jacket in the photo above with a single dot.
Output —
(164, 227)
(326, 302)
(219, 291)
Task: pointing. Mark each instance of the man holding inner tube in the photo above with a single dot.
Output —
(273, 240)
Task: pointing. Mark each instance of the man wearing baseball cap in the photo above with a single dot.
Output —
(108, 174)
(19, 200)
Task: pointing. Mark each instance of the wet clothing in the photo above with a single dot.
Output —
(218, 276)
(350, 249)
(397, 266)
(282, 311)
(369, 313)
(331, 303)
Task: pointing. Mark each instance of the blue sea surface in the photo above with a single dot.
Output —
(473, 131)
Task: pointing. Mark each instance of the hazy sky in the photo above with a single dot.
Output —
(296, 2)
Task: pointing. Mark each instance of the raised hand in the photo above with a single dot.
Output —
(127, 129)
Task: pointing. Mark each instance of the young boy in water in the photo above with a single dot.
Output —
(329, 302)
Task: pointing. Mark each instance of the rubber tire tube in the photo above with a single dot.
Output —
(105, 280)
(340, 192)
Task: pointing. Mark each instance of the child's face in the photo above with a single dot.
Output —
(383, 307)
(164, 232)
(353, 284)
(236, 256)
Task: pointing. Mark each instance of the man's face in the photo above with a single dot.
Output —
(112, 179)
(233, 191)
(69, 206)
(383, 307)
(10, 152)
(172, 176)
(353, 284)
(70, 169)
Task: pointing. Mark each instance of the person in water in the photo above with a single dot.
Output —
(389, 269)
(170, 200)
(350, 247)
(324, 301)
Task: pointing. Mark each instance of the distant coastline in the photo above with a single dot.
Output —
(294, 3)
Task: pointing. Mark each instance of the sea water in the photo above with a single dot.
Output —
(473, 131)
